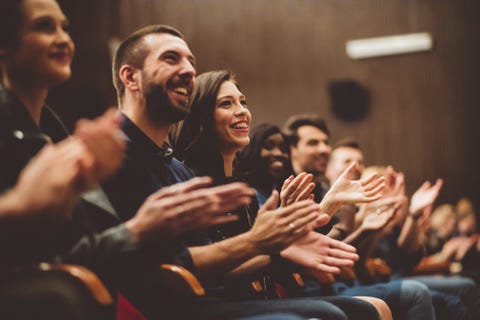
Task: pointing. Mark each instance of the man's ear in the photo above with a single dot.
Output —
(130, 77)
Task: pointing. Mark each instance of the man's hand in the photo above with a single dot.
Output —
(347, 191)
(185, 207)
(320, 252)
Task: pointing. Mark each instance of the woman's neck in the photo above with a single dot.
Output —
(33, 97)
(228, 158)
(265, 183)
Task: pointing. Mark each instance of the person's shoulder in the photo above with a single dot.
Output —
(177, 164)
(5, 108)
(180, 169)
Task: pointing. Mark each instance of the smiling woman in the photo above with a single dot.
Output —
(45, 179)
(232, 119)
(217, 127)
(265, 162)
(40, 54)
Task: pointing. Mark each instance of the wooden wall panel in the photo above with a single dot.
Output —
(423, 107)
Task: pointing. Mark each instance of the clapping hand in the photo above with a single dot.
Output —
(348, 191)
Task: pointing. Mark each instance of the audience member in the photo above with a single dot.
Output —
(265, 162)
(402, 248)
(308, 137)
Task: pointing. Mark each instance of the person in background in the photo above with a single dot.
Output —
(400, 239)
(265, 162)
(308, 137)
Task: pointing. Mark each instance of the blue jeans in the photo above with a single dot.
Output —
(407, 299)
(465, 288)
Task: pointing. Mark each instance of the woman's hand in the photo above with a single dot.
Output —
(296, 189)
(275, 229)
(48, 185)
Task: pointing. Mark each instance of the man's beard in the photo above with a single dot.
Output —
(158, 105)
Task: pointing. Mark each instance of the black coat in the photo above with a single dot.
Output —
(91, 235)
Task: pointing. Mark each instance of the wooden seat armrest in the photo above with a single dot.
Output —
(347, 274)
(297, 277)
(180, 280)
(320, 276)
(425, 267)
(88, 278)
(377, 266)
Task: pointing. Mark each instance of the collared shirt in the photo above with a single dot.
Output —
(146, 169)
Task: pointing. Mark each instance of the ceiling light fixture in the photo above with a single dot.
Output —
(391, 45)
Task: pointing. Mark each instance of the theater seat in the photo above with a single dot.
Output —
(428, 268)
(377, 267)
(181, 281)
(53, 291)
(320, 276)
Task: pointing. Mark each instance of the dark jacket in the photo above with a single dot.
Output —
(93, 236)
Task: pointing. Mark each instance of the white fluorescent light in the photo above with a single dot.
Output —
(385, 46)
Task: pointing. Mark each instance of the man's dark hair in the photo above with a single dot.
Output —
(347, 142)
(133, 51)
(290, 128)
